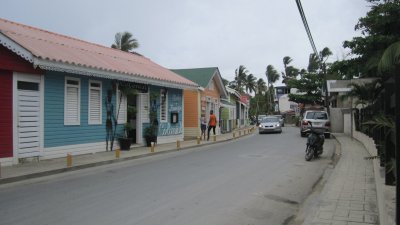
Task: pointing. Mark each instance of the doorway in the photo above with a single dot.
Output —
(28, 120)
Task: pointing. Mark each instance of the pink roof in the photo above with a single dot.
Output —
(58, 48)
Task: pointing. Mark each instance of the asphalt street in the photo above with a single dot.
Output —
(258, 179)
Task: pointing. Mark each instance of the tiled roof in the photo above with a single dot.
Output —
(49, 49)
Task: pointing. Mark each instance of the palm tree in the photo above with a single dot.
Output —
(290, 71)
(365, 94)
(286, 61)
(272, 75)
(125, 42)
(261, 86)
(250, 83)
(240, 78)
(390, 60)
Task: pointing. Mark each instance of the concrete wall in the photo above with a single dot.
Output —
(347, 123)
(336, 116)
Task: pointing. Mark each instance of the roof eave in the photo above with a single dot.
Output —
(63, 67)
(15, 47)
(223, 93)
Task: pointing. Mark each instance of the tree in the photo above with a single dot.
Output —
(225, 81)
(240, 78)
(380, 28)
(290, 71)
(261, 86)
(272, 75)
(365, 94)
(250, 83)
(125, 42)
(310, 88)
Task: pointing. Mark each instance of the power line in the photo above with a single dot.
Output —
(307, 28)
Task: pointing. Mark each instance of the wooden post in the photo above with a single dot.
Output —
(117, 153)
(69, 160)
(152, 147)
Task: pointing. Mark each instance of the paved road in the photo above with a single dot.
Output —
(258, 179)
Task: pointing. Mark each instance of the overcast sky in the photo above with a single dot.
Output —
(204, 33)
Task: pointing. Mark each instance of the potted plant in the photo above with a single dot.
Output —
(124, 141)
(150, 132)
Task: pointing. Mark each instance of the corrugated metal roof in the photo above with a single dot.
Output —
(201, 76)
(52, 47)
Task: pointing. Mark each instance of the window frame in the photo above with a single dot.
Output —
(100, 89)
(66, 121)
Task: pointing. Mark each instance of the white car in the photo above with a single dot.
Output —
(270, 124)
(319, 120)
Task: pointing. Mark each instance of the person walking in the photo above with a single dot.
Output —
(203, 127)
(212, 123)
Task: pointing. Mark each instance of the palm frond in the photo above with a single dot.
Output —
(390, 58)
(381, 121)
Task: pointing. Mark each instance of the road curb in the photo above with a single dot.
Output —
(107, 162)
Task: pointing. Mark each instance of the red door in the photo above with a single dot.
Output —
(6, 119)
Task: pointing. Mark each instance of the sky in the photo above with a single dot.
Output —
(179, 34)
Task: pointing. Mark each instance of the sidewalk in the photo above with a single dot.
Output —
(34, 169)
(349, 196)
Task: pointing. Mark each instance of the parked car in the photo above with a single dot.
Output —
(320, 121)
(270, 124)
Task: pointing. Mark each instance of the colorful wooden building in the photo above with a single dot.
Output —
(200, 102)
(235, 111)
(55, 88)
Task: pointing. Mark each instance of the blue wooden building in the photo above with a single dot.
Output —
(56, 95)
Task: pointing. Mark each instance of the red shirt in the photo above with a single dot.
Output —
(213, 120)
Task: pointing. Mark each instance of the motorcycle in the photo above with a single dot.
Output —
(315, 142)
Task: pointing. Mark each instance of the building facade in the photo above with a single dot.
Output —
(66, 96)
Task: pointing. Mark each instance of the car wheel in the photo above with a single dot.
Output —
(302, 134)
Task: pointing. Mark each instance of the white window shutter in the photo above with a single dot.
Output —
(94, 102)
(72, 102)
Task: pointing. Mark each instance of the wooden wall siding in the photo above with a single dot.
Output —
(6, 116)
(225, 114)
(192, 132)
(13, 62)
(55, 132)
(212, 93)
(191, 109)
(174, 101)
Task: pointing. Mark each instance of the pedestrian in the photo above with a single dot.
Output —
(212, 122)
(203, 127)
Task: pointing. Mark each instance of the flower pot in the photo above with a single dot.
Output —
(150, 139)
(125, 143)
